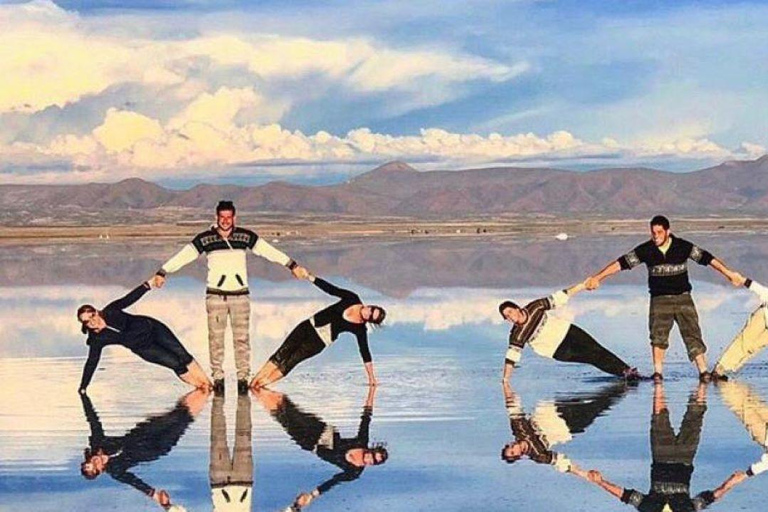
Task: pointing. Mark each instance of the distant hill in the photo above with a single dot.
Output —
(397, 188)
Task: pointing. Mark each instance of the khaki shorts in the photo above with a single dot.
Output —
(667, 310)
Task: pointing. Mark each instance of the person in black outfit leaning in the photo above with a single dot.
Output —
(666, 257)
(313, 335)
(151, 439)
(350, 454)
(146, 337)
(672, 466)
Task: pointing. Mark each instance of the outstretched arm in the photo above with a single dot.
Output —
(734, 277)
(131, 298)
(184, 257)
(94, 355)
(594, 281)
(331, 289)
(97, 431)
(755, 287)
(596, 478)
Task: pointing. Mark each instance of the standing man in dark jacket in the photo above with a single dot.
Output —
(666, 257)
(226, 246)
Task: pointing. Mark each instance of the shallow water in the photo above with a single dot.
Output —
(440, 407)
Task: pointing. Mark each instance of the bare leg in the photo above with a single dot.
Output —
(701, 362)
(658, 359)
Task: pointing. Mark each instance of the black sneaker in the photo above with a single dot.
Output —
(719, 377)
(657, 377)
(242, 386)
(705, 377)
(218, 387)
(632, 375)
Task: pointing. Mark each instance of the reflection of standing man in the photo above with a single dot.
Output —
(227, 294)
(231, 477)
(666, 257)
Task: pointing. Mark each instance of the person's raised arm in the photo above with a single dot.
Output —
(734, 277)
(331, 289)
(596, 478)
(594, 281)
(94, 355)
(758, 289)
(130, 298)
(184, 257)
(269, 252)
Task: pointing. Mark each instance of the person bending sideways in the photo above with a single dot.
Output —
(666, 257)
(315, 334)
(750, 341)
(556, 338)
(148, 338)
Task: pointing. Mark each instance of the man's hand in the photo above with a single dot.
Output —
(737, 279)
(594, 476)
(592, 283)
(300, 272)
(157, 281)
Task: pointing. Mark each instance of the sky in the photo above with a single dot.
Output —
(314, 92)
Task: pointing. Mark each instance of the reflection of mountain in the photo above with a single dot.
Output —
(398, 189)
(394, 268)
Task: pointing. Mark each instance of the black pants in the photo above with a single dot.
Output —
(300, 345)
(580, 347)
(166, 350)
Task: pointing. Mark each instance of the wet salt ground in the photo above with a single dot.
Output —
(440, 406)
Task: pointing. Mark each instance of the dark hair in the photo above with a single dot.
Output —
(511, 459)
(506, 304)
(381, 450)
(382, 314)
(660, 220)
(227, 206)
(87, 454)
(85, 308)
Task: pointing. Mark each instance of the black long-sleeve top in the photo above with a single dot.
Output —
(148, 441)
(667, 273)
(333, 315)
(314, 435)
(133, 332)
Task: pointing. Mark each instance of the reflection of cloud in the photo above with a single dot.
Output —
(277, 309)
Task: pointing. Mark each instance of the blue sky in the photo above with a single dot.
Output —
(315, 91)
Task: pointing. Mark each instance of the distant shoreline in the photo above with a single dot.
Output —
(311, 229)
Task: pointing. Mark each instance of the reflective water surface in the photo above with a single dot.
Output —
(440, 415)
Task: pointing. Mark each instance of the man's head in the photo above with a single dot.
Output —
(659, 230)
(510, 311)
(225, 215)
(513, 452)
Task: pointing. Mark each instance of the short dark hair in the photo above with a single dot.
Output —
(506, 304)
(382, 314)
(660, 220)
(509, 459)
(225, 206)
(85, 308)
(381, 450)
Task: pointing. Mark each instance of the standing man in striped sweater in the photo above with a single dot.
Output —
(225, 246)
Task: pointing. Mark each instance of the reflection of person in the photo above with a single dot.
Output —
(227, 295)
(146, 337)
(555, 338)
(151, 439)
(350, 454)
(750, 341)
(666, 257)
(672, 466)
(554, 423)
(752, 411)
(231, 477)
(313, 335)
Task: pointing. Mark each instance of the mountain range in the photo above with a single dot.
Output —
(397, 189)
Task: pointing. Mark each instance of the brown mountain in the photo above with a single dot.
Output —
(398, 189)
